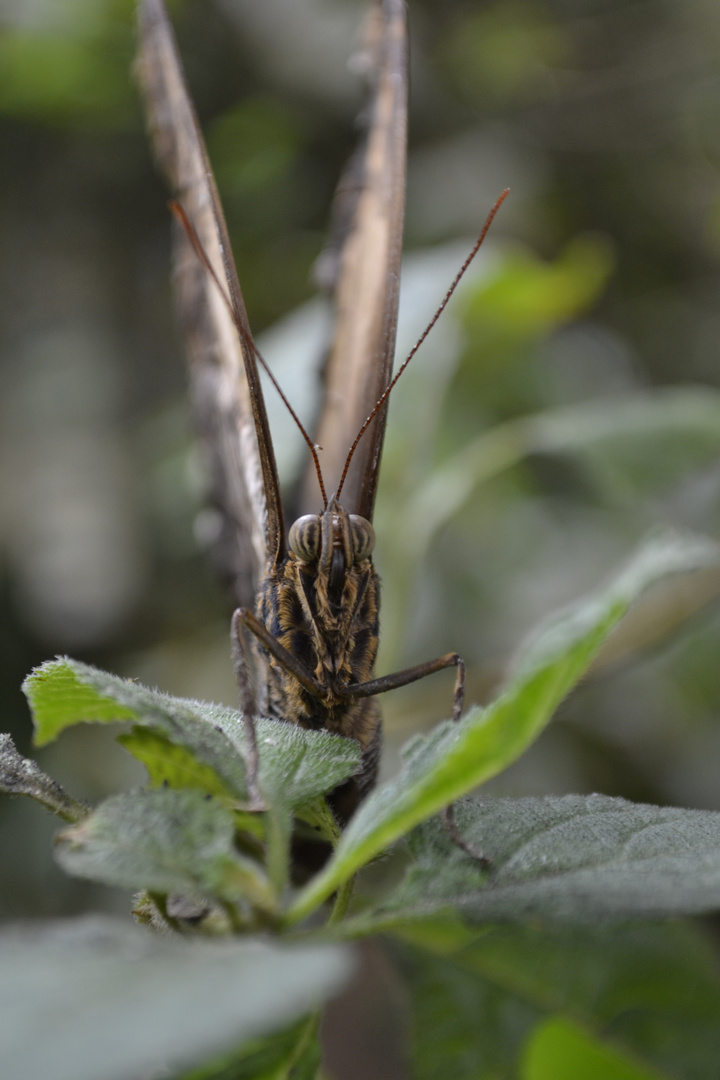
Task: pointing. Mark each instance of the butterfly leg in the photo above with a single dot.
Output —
(447, 817)
(281, 654)
(409, 675)
(247, 702)
(413, 674)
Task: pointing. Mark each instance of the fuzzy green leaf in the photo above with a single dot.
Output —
(64, 692)
(455, 758)
(100, 1000)
(296, 766)
(572, 859)
(170, 765)
(164, 841)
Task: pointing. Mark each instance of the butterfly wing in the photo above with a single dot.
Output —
(247, 532)
(362, 266)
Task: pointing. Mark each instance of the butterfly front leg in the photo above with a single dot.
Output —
(352, 692)
(243, 617)
(448, 819)
(410, 675)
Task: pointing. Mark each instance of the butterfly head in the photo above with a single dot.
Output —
(332, 538)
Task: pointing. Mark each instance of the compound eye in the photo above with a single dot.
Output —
(304, 537)
(363, 537)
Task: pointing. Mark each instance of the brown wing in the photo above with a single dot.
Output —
(248, 532)
(368, 216)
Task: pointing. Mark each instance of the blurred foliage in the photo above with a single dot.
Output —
(560, 1050)
(505, 53)
(599, 285)
(67, 64)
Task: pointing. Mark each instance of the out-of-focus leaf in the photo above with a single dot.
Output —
(561, 1050)
(64, 80)
(454, 758)
(687, 415)
(527, 298)
(255, 144)
(463, 1025)
(287, 1055)
(100, 1000)
(504, 51)
(649, 992)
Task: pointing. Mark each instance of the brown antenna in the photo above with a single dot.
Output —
(384, 396)
(245, 335)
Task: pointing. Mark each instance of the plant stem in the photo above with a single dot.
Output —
(342, 901)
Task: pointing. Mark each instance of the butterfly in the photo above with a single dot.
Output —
(305, 635)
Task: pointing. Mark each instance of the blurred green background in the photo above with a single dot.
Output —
(566, 404)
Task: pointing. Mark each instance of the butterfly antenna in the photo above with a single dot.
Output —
(245, 335)
(386, 393)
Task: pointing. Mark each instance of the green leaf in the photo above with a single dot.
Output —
(100, 1000)
(527, 298)
(571, 859)
(455, 758)
(296, 766)
(62, 693)
(320, 817)
(685, 419)
(650, 993)
(172, 766)
(561, 1050)
(164, 841)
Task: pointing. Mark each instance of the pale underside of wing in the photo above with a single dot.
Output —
(245, 523)
(363, 264)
